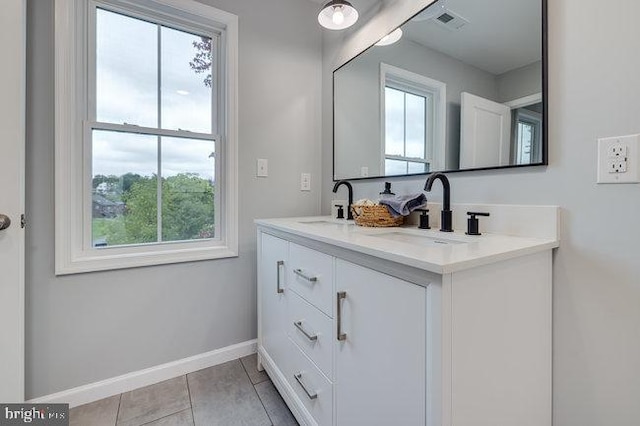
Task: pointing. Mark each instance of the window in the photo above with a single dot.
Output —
(527, 135)
(407, 119)
(413, 117)
(146, 135)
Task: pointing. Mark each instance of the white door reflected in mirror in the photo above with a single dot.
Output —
(485, 129)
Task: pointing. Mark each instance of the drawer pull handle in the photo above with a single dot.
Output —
(298, 377)
(312, 337)
(305, 277)
(341, 295)
(279, 265)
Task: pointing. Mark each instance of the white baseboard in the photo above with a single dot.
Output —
(137, 379)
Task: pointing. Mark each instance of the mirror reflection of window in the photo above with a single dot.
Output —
(526, 132)
(407, 118)
(527, 135)
(413, 111)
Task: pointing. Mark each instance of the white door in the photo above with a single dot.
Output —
(381, 363)
(485, 132)
(12, 134)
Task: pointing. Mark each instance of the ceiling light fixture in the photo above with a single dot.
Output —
(337, 15)
(390, 38)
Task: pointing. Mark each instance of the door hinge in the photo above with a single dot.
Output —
(23, 221)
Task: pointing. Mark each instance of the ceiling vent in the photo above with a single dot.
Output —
(435, 9)
(445, 18)
(440, 13)
(450, 19)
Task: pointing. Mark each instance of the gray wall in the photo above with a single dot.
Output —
(89, 327)
(521, 82)
(596, 298)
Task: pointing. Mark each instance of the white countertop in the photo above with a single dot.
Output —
(438, 258)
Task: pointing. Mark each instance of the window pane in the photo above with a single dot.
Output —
(126, 70)
(186, 81)
(188, 183)
(415, 126)
(395, 167)
(394, 121)
(525, 142)
(418, 167)
(124, 196)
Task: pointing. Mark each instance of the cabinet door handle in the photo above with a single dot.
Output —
(304, 276)
(298, 377)
(279, 265)
(312, 337)
(341, 295)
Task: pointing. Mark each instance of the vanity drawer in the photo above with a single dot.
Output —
(313, 389)
(312, 330)
(311, 276)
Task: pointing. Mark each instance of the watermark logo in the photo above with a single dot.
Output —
(34, 414)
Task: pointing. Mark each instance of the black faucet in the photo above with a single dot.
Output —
(446, 221)
(350, 188)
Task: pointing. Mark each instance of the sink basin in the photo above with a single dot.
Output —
(419, 240)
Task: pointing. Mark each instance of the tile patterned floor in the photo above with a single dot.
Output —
(229, 394)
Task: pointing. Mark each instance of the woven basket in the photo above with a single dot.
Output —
(375, 216)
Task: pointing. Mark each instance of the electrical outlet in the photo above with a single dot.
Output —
(618, 166)
(617, 150)
(364, 171)
(262, 168)
(619, 159)
(305, 182)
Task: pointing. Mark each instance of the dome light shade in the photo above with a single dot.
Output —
(337, 15)
(390, 38)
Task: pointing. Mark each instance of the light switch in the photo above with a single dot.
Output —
(305, 182)
(262, 168)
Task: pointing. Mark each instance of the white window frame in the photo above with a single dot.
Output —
(421, 85)
(533, 119)
(73, 250)
(530, 117)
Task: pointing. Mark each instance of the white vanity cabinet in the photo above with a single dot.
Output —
(344, 343)
(357, 330)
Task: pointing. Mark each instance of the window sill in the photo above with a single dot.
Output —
(94, 260)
